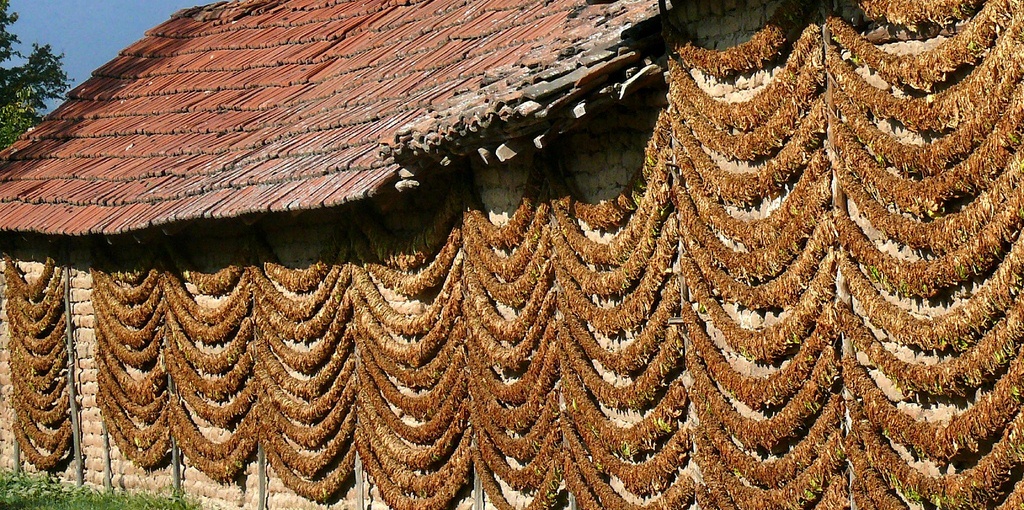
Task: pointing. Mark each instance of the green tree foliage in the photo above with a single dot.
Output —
(27, 81)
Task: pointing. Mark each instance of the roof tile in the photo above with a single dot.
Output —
(261, 105)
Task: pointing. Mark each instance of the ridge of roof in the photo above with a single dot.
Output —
(229, 10)
(279, 105)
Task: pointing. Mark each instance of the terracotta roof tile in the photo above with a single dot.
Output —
(275, 105)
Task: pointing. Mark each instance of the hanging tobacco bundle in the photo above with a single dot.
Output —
(39, 364)
(926, 70)
(804, 434)
(615, 301)
(801, 77)
(211, 358)
(974, 487)
(953, 202)
(515, 363)
(776, 261)
(306, 373)
(413, 414)
(766, 45)
(913, 12)
(133, 397)
(779, 254)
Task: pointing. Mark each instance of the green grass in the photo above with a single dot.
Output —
(39, 492)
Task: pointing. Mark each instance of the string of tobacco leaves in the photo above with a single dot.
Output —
(615, 302)
(211, 359)
(39, 363)
(515, 369)
(947, 200)
(413, 414)
(130, 312)
(306, 371)
(778, 261)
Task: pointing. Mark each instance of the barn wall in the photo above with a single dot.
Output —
(869, 365)
(503, 333)
(601, 160)
(6, 412)
(31, 261)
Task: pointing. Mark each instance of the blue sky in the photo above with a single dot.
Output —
(90, 32)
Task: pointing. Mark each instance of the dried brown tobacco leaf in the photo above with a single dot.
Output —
(38, 362)
(914, 12)
(993, 25)
(798, 83)
(766, 45)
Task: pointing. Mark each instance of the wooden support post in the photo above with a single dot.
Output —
(360, 484)
(175, 466)
(175, 451)
(261, 470)
(478, 491)
(675, 179)
(17, 447)
(842, 207)
(76, 428)
(561, 414)
(108, 471)
(839, 201)
(676, 182)
(478, 487)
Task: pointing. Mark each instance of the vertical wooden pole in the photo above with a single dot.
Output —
(360, 484)
(842, 207)
(839, 199)
(175, 466)
(478, 487)
(108, 470)
(76, 429)
(478, 492)
(561, 416)
(261, 453)
(17, 447)
(676, 182)
(17, 457)
(261, 472)
(175, 451)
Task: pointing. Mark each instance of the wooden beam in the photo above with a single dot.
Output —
(261, 470)
(360, 484)
(478, 487)
(108, 471)
(17, 457)
(76, 429)
(172, 393)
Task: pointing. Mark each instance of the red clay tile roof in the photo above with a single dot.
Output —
(274, 105)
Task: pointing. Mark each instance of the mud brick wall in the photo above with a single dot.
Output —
(806, 267)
